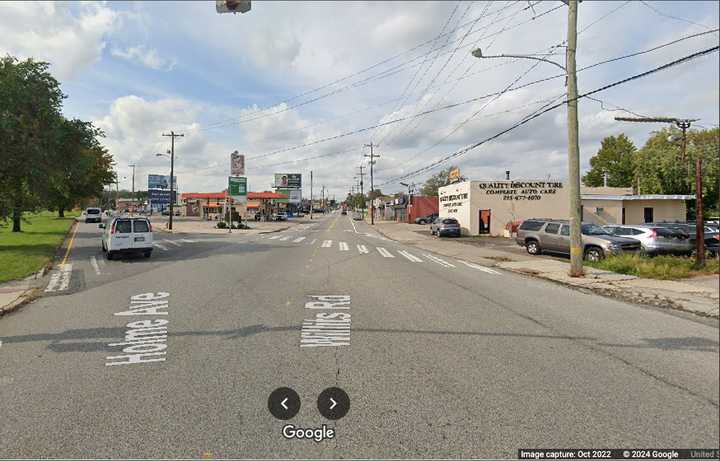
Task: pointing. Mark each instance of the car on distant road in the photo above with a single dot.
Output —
(654, 240)
(282, 216)
(426, 219)
(92, 215)
(343, 212)
(127, 235)
(553, 236)
(357, 216)
(445, 227)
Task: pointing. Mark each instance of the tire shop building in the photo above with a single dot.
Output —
(498, 207)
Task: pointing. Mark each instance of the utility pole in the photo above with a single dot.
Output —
(172, 136)
(576, 246)
(133, 189)
(372, 156)
(362, 190)
(684, 125)
(311, 194)
(323, 199)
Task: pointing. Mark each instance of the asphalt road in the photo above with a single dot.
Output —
(444, 359)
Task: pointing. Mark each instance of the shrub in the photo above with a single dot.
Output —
(221, 225)
(659, 267)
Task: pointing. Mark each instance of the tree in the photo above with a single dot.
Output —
(373, 194)
(616, 158)
(30, 102)
(434, 182)
(661, 169)
(81, 166)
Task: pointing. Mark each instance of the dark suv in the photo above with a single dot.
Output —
(553, 236)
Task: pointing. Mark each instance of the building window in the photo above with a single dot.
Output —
(648, 214)
(599, 210)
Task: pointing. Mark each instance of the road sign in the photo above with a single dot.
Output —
(237, 164)
(288, 180)
(232, 6)
(237, 187)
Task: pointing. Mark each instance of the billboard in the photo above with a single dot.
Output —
(237, 164)
(288, 180)
(160, 198)
(294, 196)
(237, 187)
(160, 181)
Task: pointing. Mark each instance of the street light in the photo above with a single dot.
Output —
(170, 153)
(576, 247)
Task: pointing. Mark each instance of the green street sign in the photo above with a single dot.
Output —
(237, 186)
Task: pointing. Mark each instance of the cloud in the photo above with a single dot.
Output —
(69, 37)
(147, 57)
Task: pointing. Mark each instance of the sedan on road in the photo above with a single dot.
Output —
(445, 227)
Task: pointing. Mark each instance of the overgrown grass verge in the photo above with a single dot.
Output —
(23, 253)
(659, 267)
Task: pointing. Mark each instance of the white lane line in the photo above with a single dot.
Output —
(479, 267)
(362, 249)
(162, 247)
(343, 246)
(101, 261)
(353, 224)
(274, 237)
(313, 241)
(299, 239)
(410, 257)
(94, 264)
(326, 244)
(437, 260)
(385, 253)
(187, 240)
(172, 243)
(282, 239)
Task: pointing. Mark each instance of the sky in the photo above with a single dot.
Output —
(301, 86)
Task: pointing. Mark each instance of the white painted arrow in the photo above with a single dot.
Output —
(283, 403)
(334, 403)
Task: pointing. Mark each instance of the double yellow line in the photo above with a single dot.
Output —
(70, 244)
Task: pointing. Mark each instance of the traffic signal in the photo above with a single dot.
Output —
(232, 6)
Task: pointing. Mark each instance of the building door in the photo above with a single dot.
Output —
(484, 227)
(623, 216)
(648, 214)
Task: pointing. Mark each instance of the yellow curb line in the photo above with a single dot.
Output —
(69, 247)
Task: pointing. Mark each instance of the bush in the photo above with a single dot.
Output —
(659, 267)
(221, 225)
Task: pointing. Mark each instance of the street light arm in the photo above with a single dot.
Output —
(478, 54)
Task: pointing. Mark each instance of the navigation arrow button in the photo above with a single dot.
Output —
(333, 403)
(284, 403)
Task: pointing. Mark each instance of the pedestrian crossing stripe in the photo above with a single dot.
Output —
(287, 237)
(326, 244)
(410, 257)
(385, 253)
(343, 246)
(299, 239)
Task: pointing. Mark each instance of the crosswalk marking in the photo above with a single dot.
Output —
(274, 237)
(326, 244)
(287, 237)
(362, 249)
(385, 253)
(480, 268)
(172, 243)
(187, 240)
(94, 264)
(313, 241)
(410, 257)
(162, 247)
(299, 239)
(437, 260)
(343, 246)
(60, 279)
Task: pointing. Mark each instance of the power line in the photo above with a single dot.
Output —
(677, 18)
(553, 107)
(386, 73)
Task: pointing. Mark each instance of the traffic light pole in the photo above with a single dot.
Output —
(172, 136)
(372, 185)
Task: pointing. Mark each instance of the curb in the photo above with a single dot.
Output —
(276, 230)
(27, 296)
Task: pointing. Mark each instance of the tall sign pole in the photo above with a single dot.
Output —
(576, 247)
(172, 136)
(372, 156)
(699, 224)
(311, 194)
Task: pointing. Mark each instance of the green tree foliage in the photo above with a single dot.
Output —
(30, 102)
(661, 169)
(440, 179)
(355, 201)
(616, 157)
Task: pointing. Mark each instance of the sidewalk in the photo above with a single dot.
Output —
(196, 226)
(700, 297)
(15, 293)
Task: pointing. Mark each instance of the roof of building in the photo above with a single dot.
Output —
(265, 195)
(636, 197)
(203, 195)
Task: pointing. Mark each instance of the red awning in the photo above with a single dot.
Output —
(266, 195)
(252, 205)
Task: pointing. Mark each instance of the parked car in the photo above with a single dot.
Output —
(127, 235)
(654, 240)
(343, 212)
(426, 219)
(445, 226)
(357, 216)
(711, 235)
(553, 236)
(92, 215)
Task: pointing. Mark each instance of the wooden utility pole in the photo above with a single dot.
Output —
(576, 246)
(172, 136)
(362, 191)
(372, 156)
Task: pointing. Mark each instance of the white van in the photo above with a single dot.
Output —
(127, 235)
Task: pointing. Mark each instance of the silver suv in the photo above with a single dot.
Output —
(553, 236)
